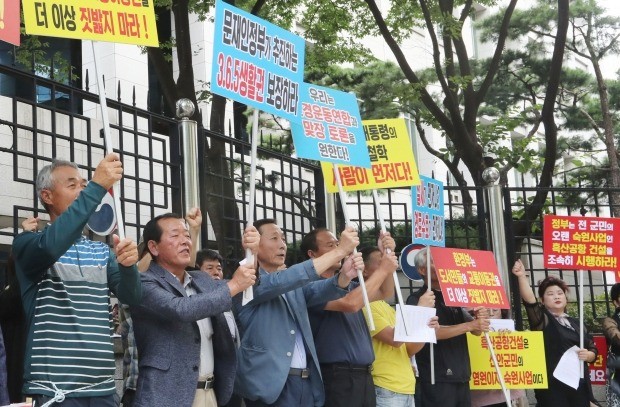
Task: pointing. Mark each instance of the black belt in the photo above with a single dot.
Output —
(207, 384)
(347, 366)
(304, 373)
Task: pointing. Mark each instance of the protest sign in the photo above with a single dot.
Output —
(427, 212)
(469, 278)
(122, 21)
(520, 356)
(580, 243)
(598, 368)
(9, 21)
(331, 127)
(392, 161)
(256, 62)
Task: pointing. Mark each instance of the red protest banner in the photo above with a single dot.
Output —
(575, 242)
(9, 21)
(598, 368)
(469, 278)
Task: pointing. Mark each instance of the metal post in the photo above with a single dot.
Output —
(330, 212)
(496, 219)
(188, 131)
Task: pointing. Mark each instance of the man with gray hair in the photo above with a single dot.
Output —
(452, 367)
(65, 280)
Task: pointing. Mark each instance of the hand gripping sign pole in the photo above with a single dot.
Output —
(108, 144)
(343, 202)
(248, 293)
(399, 294)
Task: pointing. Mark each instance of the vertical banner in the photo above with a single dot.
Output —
(598, 368)
(331, 127)
(121, 21)
(428, 216)
(469, 278)
(9, 21)
(256, 63)
(392, 161)
(520, 356)
(580, 243)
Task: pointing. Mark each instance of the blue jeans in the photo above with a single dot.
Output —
(387, 398)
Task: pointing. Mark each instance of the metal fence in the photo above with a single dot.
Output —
(41, 119)
(64, 125)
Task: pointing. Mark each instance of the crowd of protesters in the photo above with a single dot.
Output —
(191, 338)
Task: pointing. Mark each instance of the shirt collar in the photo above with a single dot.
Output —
(187, 278)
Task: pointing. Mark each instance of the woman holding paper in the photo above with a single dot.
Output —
(561, 335)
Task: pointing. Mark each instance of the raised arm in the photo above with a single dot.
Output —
(527, 295)
(349, 240)
(379, 285)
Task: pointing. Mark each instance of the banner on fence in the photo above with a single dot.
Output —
(598, 368)
(122, 21)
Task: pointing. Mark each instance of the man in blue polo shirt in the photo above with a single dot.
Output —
(341, 336)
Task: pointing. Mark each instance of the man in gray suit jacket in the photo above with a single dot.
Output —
(278, 365)
(187, 356)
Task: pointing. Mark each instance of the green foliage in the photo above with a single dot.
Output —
(593, 311)
(34, 55)
(378, 86)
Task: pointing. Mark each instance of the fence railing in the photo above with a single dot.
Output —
(41, 119)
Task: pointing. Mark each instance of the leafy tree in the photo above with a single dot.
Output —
(586, 105)
(455, 110)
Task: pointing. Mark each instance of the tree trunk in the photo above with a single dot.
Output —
(610, 143)
(533, 211)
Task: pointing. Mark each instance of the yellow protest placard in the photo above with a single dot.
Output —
(123, 21)
(391, 156)
(520, 355)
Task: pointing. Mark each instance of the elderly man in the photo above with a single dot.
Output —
(452, 368)
(340, 332)
(187, 355)
(278, 365)
(65, 279)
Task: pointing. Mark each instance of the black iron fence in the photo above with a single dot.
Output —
(41, 120)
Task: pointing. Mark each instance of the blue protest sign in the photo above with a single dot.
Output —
(331, 128)
(428, 216)
(256, 62)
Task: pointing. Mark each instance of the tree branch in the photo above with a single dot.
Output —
(535, 208)
(425, 97)
(497, 56)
